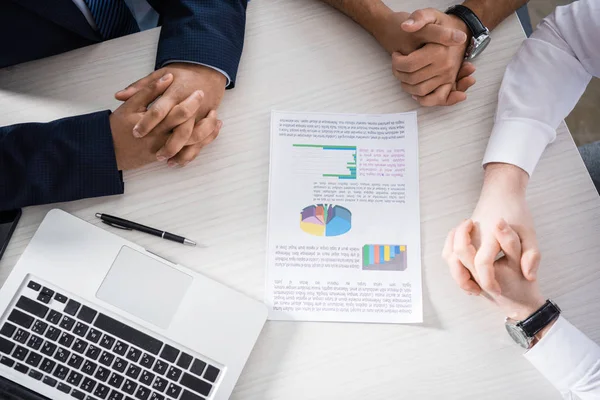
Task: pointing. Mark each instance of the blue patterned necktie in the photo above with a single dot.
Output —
(112, 18)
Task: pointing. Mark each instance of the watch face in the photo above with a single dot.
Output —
(478, 46)
(517, 335)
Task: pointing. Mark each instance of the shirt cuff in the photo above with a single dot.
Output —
(565, 356)
(205, 65)
(518, 141)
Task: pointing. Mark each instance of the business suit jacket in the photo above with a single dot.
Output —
(73, 158)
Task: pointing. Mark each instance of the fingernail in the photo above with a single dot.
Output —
(161, 158)
(136, 132)
(414, 98)
(459, 36)
(212, 114)
(171, 164)
(198, 93)
(166, 77)
(219, 124)
(409, 21)
(501, 225)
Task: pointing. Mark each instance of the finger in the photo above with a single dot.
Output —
(178, 115)
(189, 153)
(424, 88)
(464, 84)
(442, 35)
(139, 101)
(204, 128)
(463, 247)
(484, 265)
(156, 114)
(136, 86)
(439, 97)
(420, 76)
(465, 70)
(462, 276)
(418, 19)
(509, 242)
(530, 260)
(176, 141)
(411, 63)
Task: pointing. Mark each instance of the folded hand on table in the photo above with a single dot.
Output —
(187, 109)
(428, 49)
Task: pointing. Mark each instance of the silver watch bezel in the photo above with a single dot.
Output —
(517, 334)
(478, 45)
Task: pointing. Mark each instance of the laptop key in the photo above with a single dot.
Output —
(62, 355)
(32, 306)
(79, 346)
(77, 394)
(8, 329)
(35, 342)
(134, 354)
(120, 348)
(211, 374)
(128, 334)
(64, 388)
(49, 381)
(39, 327)
(21, 336)
(187, 395)
(107, 342)
(75, 361)
(143, 393)
(20, 353)
(20, 318)
(101, 391)
(160, 384)
(116, 380)
(74, 378)
(93, 352)
(72, 307)
(89, 367)
(66, 339)
(106, 358)
(6, 346)
(44, 298)
(147, 361)
(54, 317)
(87, 314)
(33, 359)
(47, 365)
(67, 323)
(169, 353)
(21, 368)
(94, 335)
(157, 396)
(80, 329)
(61, 298)
(198, 367)
(119, 365)
(195, 384)
(147, 378)
(133, 371)
(48, 348)
(35, 374)
(129, 386)
(47, 292)
(7, 361)
(102, 374)
(174, 373)
(61, 372)
(114, 395)
(34, 285)
(160, 367)
(184, 360)
(88, 385)
(173, 390)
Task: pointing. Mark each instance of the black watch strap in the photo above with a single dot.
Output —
(540, 319)
(470, 18)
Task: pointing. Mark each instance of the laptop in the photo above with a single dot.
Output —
(87, 315)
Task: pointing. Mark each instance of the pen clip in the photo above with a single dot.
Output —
(117, 226)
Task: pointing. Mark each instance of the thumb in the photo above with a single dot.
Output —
(531, 257)
(442, 35)
(418, 19)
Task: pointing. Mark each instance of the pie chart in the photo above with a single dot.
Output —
(325, 220)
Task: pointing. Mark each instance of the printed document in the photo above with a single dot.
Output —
(344, 226)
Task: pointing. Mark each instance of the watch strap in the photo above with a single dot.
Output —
(469, 18)
(540, 319)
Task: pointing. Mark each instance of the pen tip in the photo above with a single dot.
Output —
(189, 242)
(98, 215)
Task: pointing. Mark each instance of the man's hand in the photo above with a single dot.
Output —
(192, 130)
(471, 257)
(435, 73)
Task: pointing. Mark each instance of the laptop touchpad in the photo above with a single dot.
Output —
(144, 287)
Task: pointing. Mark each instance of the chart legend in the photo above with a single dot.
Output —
(337, 162)
(325, 220)
(378, 257)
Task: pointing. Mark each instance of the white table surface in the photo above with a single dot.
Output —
(302, 56)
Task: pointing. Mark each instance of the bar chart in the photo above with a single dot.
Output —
(378, 257)
(337, 162)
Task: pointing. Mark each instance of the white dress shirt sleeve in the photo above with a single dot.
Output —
(543, 83)
(569, 360)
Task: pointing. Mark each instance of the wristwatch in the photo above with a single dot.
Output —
(481, 35)
(524, 332)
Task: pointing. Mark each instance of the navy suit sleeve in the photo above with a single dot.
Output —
(209, 32)
(63, 160)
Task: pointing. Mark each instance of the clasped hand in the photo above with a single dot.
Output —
(169, 115)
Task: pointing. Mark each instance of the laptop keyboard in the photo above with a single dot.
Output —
(81, 352)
